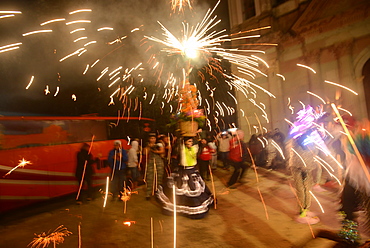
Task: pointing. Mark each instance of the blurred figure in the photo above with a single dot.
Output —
(223, 140)
(117, 159)
(133, 162)
(238, 157)
(85, 171)
(154, 165)
(204, 158)
(212, 145)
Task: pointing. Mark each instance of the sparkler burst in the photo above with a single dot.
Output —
(22, 163)
(180, 5)
(55, 237)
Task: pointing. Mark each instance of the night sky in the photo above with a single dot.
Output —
(39, 54)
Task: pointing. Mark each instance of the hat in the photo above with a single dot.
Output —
(117, 142)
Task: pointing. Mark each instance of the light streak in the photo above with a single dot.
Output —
(115, 81)
(57, 91)
(79, 11)
(46, 90)
(174, 215)
(104, 28)
(102, 73)
(70, 55)
(84, 51)
(78, 21)
(81, 38)
(87, 68)
(10, 12)
(115, 70)
(152, 99)
(322, 210)
(111, 96)
(342, 86)
(51, 21)
(115, 75)
(313, 94)
(91, 42)
(273, 142)
(304, 163)
(37, 32)
(77, 30)
(279, 75)
(22, 163)
(95, 63)
(345, 110)
(307, 67)
(6, 16)
(151, 233)
(251, 30)
(79, 235)
(259, 59)
(9, 49)
(29, 84)
(106, 192)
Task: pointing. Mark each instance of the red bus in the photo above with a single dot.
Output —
(48, 147)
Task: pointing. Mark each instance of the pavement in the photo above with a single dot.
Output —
(257, 213)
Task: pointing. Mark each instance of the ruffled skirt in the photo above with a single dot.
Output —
(193, 197)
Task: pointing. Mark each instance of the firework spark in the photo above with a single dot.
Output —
(45, 239)
(22, 163)
(180, 5)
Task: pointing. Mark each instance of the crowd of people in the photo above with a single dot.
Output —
(178, 169)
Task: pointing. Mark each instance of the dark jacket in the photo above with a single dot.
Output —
(83, 157)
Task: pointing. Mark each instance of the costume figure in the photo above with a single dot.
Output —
(193, 197)
(305, 138)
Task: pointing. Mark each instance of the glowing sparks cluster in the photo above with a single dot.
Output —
(180, 5)
(22, 163)
(56, 237)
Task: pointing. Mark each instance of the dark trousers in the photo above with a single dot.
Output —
(224, 157)
(117, 183)
(239, 170)
(203, 168)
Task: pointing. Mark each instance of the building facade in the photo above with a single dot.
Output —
(309, 45)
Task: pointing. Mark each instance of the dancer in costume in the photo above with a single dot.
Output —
(193, 198)
(305, 138)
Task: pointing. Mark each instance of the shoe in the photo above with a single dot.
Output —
(243, 180)
(78, 202)
(89, 199)
(232, 187)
